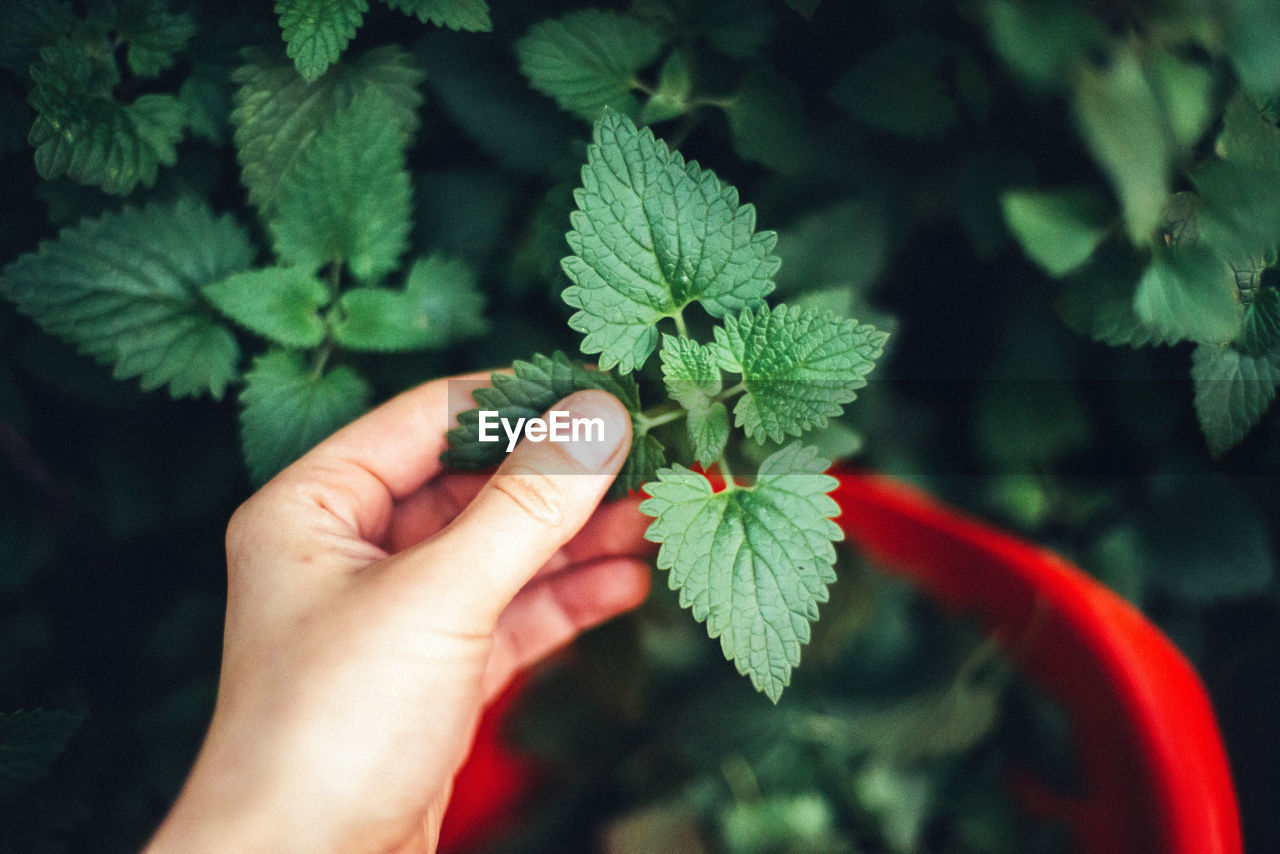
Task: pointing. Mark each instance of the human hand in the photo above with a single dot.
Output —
(375, 604)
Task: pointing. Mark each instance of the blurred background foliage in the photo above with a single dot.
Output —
(1068, 212)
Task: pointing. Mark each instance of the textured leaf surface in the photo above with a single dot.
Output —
(317, 31)
(753, 563)
(651, 235)
(278, 115)
(1232, 391)
(1060, 229)
(347, 198)
(587, 60)
(693, 379)
(799, 367)
(708, 429)
(286, 409)
(689, 371)
(82, 132)
(125, 288)
(29, 742)
(470, 15)
(279, 303)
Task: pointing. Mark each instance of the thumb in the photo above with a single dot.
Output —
(540, 496)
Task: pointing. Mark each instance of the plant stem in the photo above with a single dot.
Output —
(658, 416)
(678, 317)
(321, 358)
(723, 464)
(732, 392)
(335, 278)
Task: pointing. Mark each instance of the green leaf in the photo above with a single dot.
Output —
(1185, 92)
(1254, 44)
(693, 380)
(1189, 295)
(286, 408)
(279, 303)
(587, 60)
(671, 97)
(1100, 304)
(689, 371)
(470, 15)
(87, 135)
(445, 291)
(278, 115)
(439, 305)
(708, 429)
(1123, 124)
(154, 34)
(317, 31)
(799, 367)
(1232, 391)
(753, 563)
(1239, 208)
(29, 742)
(1058, 229)
(347, 198)
(1042, 41)
(380, 320)
(1248, 137)
(206, 96)
(646, 456)
(125, 288)
(1262, 323)
(899, 88)
(651, 235)
(766, 118)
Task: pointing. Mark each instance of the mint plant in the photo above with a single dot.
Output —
(653, 235)
(153, 291)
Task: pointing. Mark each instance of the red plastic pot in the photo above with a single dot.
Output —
(1155, 772)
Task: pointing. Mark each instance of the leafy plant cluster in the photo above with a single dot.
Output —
(652, 236)
(310, 206)
(1181, 119)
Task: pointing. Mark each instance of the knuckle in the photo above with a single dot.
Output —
(535, 493)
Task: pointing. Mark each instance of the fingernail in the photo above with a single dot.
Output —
(598, 423)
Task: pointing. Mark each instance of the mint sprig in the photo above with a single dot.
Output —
(653, 234)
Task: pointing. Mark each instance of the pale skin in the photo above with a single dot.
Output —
(377, 602)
